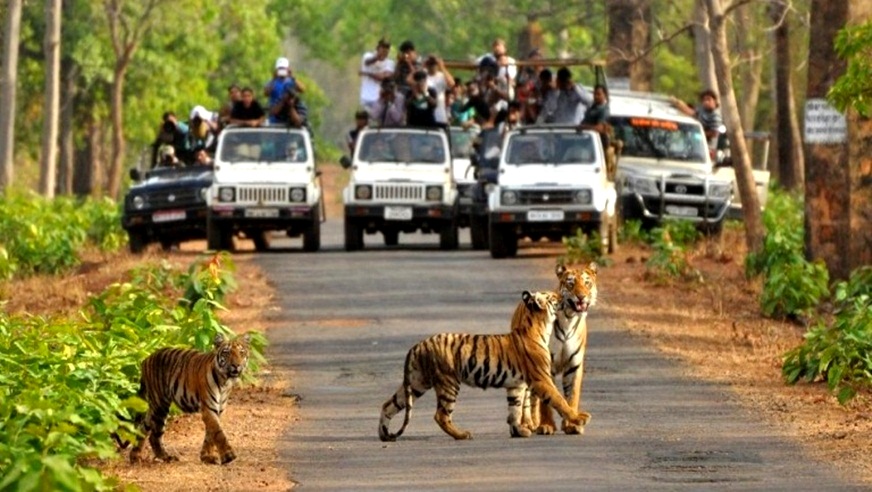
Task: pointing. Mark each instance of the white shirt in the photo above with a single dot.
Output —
(370, 87)
(505, 73)
(438, 82)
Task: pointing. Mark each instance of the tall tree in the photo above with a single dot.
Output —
(11, 35)
(790, 157)
(629, 42)
(717, 15)
(48, 159)
(702, 46)
(837, 197)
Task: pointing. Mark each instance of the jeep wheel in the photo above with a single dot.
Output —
(218, 237)
(312, 236)
(261, 240)
(478, 232)
(353, 235)
(448, 237)
(503, 242)
(392, 237)
(136, 242)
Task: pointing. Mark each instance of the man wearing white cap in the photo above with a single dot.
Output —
(203, 126)
(282, 81)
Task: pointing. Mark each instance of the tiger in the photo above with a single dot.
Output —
(578, 290)
(515, 361)
(195, 382)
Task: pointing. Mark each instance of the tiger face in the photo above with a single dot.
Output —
(542, 301)
(577, 287)
(232, 355)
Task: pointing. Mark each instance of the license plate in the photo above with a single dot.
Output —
(682, 211)
(398, 213)
(168, 216)
(262, 213)
(544, 215)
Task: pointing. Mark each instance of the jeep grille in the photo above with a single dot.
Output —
(545, 197)
(174, 198)
(262, 194)
(399, 192)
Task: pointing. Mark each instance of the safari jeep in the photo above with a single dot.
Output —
(401, 181)
(264, 180)
(664, 168)
(551, 182)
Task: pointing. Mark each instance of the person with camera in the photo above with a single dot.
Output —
(290, 111)
(407, 65)
(172, 133)
(390, 109)
(422, 102)
(247, 111)
(439, 79)
(375, 67)
(204, 127)
(281, 81)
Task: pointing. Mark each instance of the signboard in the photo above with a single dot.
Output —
(823, 123)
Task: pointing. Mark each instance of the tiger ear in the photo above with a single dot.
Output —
(219, 339)
(526, 296)
(592, 267)
(560, 270)
(246, 339)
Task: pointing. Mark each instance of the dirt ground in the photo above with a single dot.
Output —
(713, 327)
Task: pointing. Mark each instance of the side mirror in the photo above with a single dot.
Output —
(345, 162)
(135, 175)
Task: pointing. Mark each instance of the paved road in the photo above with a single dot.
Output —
(348, 319)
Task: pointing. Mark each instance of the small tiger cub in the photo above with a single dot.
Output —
(195, 382)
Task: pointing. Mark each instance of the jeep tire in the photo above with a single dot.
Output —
(312, 236)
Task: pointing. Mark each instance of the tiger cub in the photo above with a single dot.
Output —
(510, 361)
(195, 382)
(577, 288)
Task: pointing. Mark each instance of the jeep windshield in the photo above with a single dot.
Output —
(551, 148)
(660, 139)
(402, 148)
(461, 143)
(267, 146)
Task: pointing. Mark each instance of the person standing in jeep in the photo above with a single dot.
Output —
(708, 113)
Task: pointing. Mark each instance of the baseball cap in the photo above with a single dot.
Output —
(282, 62)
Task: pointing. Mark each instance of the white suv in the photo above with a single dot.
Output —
(401, 181)
(265, 180)
(664, 168)
(551, 182)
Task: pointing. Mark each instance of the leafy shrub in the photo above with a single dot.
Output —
(632, 232)
(839, 353)
(66, 386)
(583, 248)
(671, 255)
(792, 285)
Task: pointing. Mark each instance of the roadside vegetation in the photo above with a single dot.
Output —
(839, 317)
(68, 384)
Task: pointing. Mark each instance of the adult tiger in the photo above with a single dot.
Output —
(510, 361)
(195, 382)
(578, 290)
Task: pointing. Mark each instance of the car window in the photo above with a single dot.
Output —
(461, 143)
(660, 139)
(552, 148)
(402, 147)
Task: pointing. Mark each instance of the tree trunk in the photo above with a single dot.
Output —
(702, 47)
(738, 147)
(116, 163)
(67, 134)
(89, 162)
(530, 37)
(630, 36)
(838, 192)
(8, 81)
(750, 65)
(788, 141)
(48, 160)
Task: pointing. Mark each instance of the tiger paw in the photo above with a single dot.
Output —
(463, 436)
(209, 459)
(227, 457)
(572, 428)
(520, 431)
(545, 430)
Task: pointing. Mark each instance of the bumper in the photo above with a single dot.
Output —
(662, 207)
(176, 223)
(401, 216)
(548, 221)
(265, 217)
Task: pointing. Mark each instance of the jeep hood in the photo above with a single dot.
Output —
(550, 174)
(657, 167)
(423, 173)
(264, 173)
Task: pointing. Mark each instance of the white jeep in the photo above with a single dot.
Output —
(264, 180)
(664, 167)
(551, 182)
(401, 181)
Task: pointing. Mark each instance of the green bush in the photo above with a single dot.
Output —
(632, 232)
(792, 285)
(583, 248)
(47, 236)
(671, 256)
(68, 386)
(839, 353)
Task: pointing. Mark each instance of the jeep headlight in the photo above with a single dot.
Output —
(434, 193)
(721, 190)
(508, 197)
(204, 193)
(298, 194)
(583, 197)
(641, 185)
(226, 194)
(363, 192)
(138, 202)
